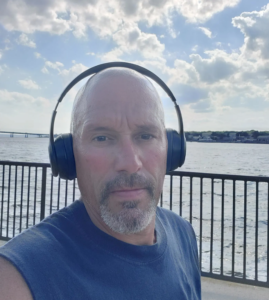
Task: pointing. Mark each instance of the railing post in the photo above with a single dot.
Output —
(43, 193)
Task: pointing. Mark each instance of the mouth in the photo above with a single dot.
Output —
(129, 193)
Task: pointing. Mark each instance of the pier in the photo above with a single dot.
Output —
(26, 134)
(229, 214)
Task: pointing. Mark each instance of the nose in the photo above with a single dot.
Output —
(128, 157)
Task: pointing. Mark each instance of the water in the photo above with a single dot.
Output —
(239, 159)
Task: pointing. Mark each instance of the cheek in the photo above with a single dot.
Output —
(96, 165)
(155, 162)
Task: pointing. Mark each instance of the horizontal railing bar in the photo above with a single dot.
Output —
(26, 164)
(177, 173)
(220, 176)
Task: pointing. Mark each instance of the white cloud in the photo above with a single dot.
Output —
(29, 84)
(218, 67)
(70, 74)
(56, 66)
(103, 17)
(113, 55)
(37, 55)
(130, 38)
(90, 53)
(52, 65)
(15, 98)
(254, 25)
(118, 19)
(206, 31)
(25, 41)
(28, 112)
(45, 70)
(201, 11)
(195, 48)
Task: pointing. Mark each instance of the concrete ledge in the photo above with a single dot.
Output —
(213, 289)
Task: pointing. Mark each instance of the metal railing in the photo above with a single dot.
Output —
(229, 214)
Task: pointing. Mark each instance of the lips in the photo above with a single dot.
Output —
(129, 193)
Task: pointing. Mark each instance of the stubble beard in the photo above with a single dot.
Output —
(130, 219)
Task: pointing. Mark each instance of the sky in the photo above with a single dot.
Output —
(214, 56)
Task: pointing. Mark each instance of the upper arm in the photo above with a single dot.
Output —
(12, 284)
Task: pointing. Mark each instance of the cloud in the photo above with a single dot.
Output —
(70, 74)
(103, 17)
(38, 55)
(55, 66)
(131, 40)
(29, 84)
(116, 19)
(202, 106)
(195, 48)
(22, 99)
(218, 67)
(200, 11)
(186, 94)
(25, 41)
(45, 70)
(206, 31)
(254, 25)
(28, 112)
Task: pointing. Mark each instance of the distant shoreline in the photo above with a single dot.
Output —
(228, 142)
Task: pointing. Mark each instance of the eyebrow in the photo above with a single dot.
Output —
(148, 127)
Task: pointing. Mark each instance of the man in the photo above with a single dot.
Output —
(114, 243)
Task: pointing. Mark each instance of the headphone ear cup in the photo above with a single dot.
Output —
(53, 160)
(176, 150)
(66, 165)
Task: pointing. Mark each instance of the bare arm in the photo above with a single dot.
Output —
(12, 284)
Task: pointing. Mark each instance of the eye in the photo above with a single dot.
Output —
(101, 138)
(146, 136)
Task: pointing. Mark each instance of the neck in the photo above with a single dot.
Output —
(144, 237)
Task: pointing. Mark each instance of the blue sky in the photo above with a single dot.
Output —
(214, 55)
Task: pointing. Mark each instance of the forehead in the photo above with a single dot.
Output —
(122, 99)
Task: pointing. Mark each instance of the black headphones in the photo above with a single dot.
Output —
(61, 153)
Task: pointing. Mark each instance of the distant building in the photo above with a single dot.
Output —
(227, 139)
(232, 135)
(263, 138)
(206, 139)
(206, 134)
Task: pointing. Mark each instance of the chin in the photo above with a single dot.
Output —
(130, 219)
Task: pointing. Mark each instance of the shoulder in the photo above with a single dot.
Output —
(168, 217)
(12, 284)
(176, 225)
(34, 244)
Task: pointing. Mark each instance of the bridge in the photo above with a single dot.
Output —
(26, 134)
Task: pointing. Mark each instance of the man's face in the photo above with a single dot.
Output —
(121, 153)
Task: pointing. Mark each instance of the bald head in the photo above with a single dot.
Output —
(115, 86)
